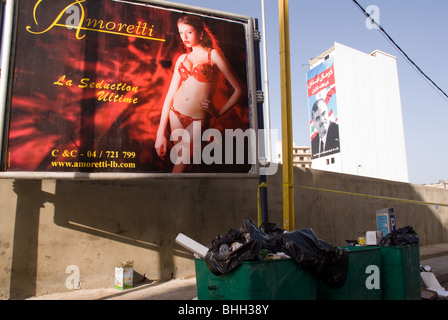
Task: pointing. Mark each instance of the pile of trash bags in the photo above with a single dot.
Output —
(401, 237)
(252, 243)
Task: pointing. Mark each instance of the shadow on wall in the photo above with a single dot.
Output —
(30, 199)
(145, 214)
(132, 213)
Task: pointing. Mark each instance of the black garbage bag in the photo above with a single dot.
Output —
(326, 262)
(269, 235)
(222, 258)
(401, 237)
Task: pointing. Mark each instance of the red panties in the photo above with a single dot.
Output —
(185, 120)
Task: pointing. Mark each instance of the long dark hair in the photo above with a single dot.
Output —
(208, 40)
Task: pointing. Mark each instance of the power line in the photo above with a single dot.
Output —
(401, 50)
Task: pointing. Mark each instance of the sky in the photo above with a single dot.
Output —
(418, 27)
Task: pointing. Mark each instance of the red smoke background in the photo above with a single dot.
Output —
(46, 117)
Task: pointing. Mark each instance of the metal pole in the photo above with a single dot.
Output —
(287, 144)
(266, 86)
(6, 47)
(262, 187)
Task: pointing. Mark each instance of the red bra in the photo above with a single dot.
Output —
(202, 72)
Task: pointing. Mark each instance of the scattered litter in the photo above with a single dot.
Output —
(188, 243)
(127, 264)
(426, 268)
(124, 275)
(428, 294)
(432, 284)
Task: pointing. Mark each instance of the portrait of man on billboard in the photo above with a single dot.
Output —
(326, 141)
(324, 128)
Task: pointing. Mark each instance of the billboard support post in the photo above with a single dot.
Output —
(266, 85)
(262, 187)
(5, 55)
(287, 145)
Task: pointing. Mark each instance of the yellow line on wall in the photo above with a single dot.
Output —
(377, 197)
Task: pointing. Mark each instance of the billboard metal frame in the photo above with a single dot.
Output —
(8, 43)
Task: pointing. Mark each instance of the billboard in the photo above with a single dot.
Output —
(127, 87)
(324, 128)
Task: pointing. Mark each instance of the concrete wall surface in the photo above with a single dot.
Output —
(60, 235)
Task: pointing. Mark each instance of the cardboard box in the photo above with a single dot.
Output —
(124, 277)
(191, 245)
(373, 238)
(385, 220)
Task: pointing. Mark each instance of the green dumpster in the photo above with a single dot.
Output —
(256, 280)
(363, 276)
(400, 272)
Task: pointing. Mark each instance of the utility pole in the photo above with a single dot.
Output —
(287, 144)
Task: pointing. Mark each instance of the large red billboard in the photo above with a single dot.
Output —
(125, 87)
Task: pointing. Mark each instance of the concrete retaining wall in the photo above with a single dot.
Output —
(50, 228)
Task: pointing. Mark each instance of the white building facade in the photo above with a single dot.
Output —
(362, 100)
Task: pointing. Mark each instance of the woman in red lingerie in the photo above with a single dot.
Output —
(189, 96)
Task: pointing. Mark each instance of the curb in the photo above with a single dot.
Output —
(436, 256)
